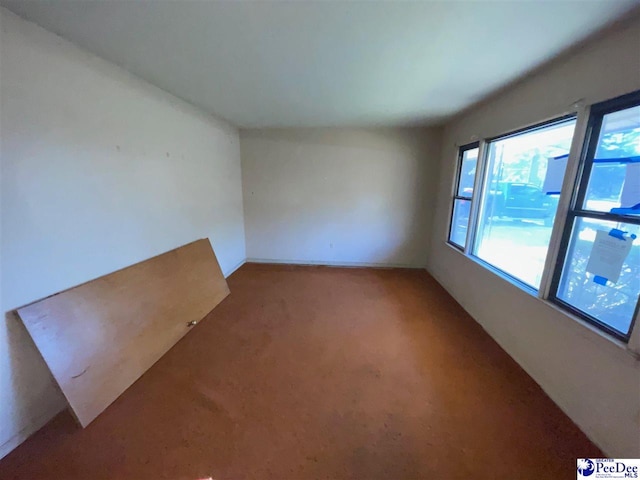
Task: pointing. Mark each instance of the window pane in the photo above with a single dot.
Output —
(517, 212)
(614, 182)
(460, 222)
(467, 173)
(612, 303)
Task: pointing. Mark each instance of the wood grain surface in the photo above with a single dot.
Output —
(100, 337)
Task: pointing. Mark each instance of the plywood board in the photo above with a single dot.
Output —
(100, 337)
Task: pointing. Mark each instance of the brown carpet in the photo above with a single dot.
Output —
(312, 372)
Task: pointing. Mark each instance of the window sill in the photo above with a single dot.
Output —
(584, 328)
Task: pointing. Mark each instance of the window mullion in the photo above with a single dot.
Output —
(478, 186)
(570, 185)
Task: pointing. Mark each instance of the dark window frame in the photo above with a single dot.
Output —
(578, 210)
(461, 151)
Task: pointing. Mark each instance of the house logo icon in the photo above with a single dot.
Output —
(585, 467)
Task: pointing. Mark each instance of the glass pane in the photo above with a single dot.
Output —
(467, 172)
(460, 222)
(520, 200)
(612, 303)
(614, 183)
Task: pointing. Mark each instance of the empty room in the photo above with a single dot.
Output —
(297, 240)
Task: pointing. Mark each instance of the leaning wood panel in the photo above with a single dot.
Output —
(100, 337)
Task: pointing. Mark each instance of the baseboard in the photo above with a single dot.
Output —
(232, 271)
(324, 263)
(32, 426)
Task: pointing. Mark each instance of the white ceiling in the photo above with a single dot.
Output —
(280, 64)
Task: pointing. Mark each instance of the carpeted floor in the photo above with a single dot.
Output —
(321, 373)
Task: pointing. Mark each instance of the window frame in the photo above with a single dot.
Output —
(456, 187)
(483, 157)
(564, 219)
(578, 210)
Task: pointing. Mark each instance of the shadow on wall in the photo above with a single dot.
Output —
(30, 396)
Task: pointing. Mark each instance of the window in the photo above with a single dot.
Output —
(605, 218)
(465, 179)
(593, 269)
(523, 179)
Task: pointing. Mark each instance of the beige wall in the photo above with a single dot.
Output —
(339, 196)
(99, 170)
(595, 381)
(80, 138)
